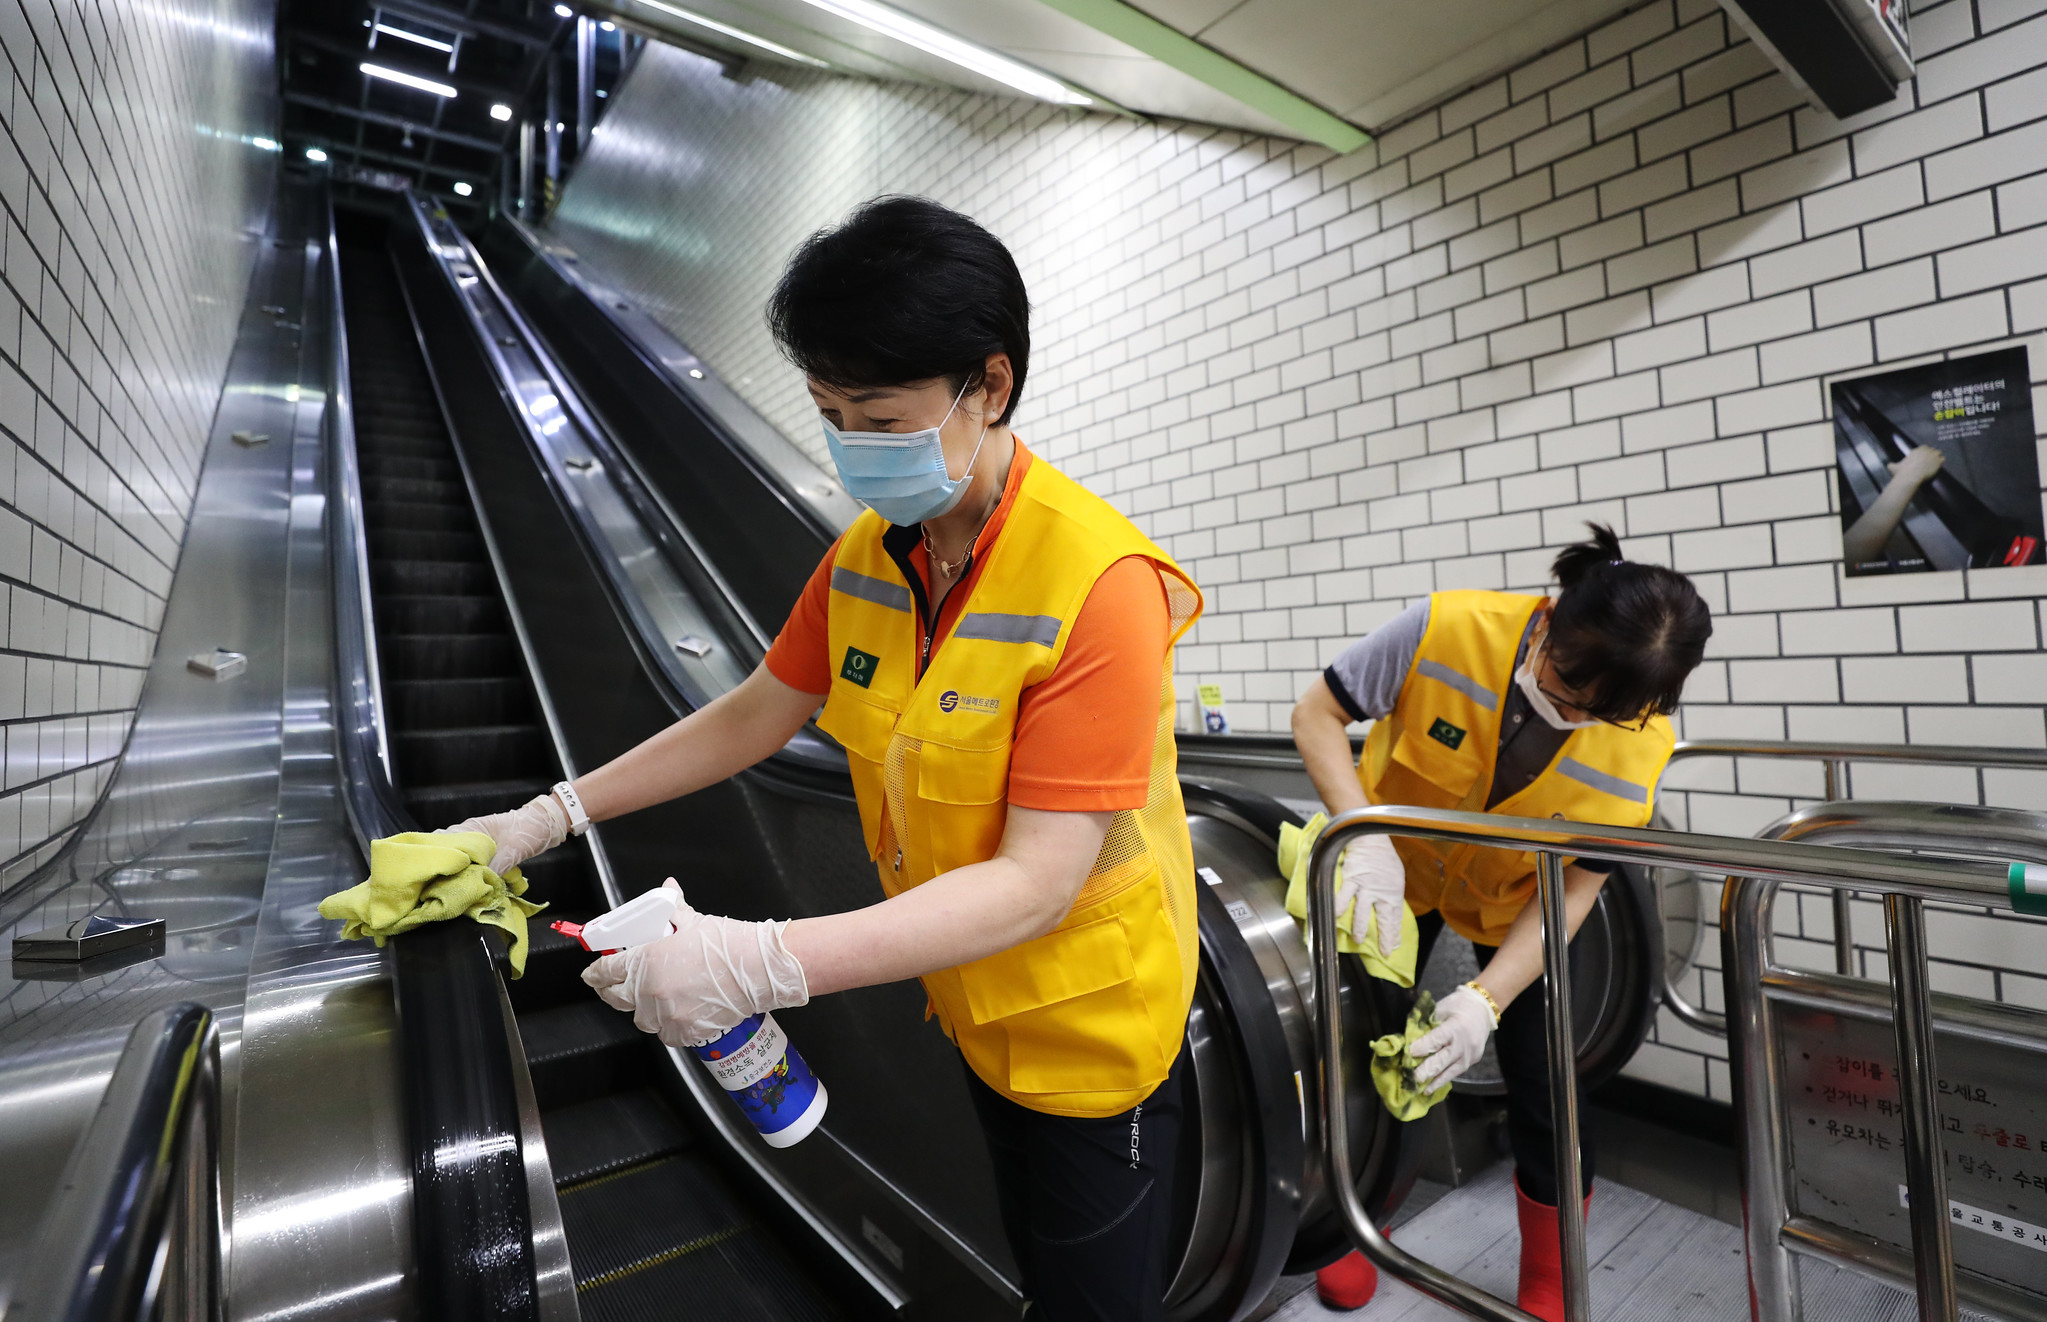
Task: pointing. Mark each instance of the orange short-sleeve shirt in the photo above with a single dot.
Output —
(1084, 736)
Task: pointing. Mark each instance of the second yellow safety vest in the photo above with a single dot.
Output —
(1086, 1020)
(1437, 749)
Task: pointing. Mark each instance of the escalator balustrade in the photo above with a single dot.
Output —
(654, 1228)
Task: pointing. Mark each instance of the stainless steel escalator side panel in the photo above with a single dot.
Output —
(321, 1214)
(803, 484)
(188, 828)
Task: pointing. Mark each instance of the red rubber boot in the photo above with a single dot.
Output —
(1349, 1282)
(1542, 1258)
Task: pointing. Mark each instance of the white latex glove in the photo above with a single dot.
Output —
(521, 833)
(692, 986)
(1372, 874)
(1463, 1023)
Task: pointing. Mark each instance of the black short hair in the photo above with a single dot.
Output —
(1627, 635)
(904, 290)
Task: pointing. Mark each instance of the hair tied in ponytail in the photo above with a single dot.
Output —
(1627, 640)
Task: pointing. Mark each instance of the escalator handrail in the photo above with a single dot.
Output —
(811, 764)
(643, 342)
(473, 1215)
(129, 1187)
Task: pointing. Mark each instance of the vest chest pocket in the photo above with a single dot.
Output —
(1452, 772)
(965, 776)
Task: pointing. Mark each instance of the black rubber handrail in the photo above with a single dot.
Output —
(471, 1216)
(144, 1172)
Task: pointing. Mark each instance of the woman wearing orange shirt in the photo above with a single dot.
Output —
(991, 643)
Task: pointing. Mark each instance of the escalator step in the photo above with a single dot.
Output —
(448, 656)
(583, 1049)
(554, 963)
(427, 614)
(403, 466)
(629, 1217)
(608, 1134)
(412, 544)
(440, 704)
(736, 1276)
(438, 516)
(447, 804)
(415, 490)
(432, 577)
(444, 757)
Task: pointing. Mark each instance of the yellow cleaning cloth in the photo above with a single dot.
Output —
(419, 877)
(1393, 1067)
(1296, 843)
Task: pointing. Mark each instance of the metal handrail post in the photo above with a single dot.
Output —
(1933, 1254)
(1425, 1277)
(1753, 1057)
(1844, 914)
(1767, 861)
(1563, 1088)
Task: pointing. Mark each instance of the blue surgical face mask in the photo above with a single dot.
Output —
(900, 475)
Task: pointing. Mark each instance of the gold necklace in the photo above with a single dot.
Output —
(952, 568)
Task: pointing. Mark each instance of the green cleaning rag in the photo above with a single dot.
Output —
(1393, 1067)
(418, 877)
(1296, 843)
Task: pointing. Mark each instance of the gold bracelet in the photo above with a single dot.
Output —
(1490, 1002)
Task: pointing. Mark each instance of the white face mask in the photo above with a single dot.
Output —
(1539, 700)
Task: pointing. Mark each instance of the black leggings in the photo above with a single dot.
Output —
(1087, 1204)
(1523, 1046)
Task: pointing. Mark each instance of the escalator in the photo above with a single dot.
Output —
(653, 1225)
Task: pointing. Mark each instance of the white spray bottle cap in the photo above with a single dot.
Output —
(638, 921)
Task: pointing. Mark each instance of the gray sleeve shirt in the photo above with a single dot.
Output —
(1367, 676)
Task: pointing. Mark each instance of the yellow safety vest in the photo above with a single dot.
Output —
(1437, 747)
(1086, 1020)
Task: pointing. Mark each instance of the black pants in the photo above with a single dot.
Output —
(1087, 1204)
(1523, 1046)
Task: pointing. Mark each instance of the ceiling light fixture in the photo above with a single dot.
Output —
(267, 144)
(315, 155)
(563, 11)
(608, 26)
(913, 32)
(501, 112)
(725, 29)
(462, 188)
(404, 79)
(431, 43)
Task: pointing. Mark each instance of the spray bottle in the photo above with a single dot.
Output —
(754, 1062)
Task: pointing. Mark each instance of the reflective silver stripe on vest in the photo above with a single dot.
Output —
(1599, 780)
(991, 627)
(1464, 684)
(877, 590)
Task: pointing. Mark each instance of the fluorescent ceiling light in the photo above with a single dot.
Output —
(404, 79)
(563, 11)
(462, 188)
(315, 155)
(713, 25)
(430, 43)
(944, 45)
(501, 112)
(608, 26)
(267, 144)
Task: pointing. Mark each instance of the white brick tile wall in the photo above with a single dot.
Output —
(131, 196)
(1612, 283)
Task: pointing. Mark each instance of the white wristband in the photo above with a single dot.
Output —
(579, 820)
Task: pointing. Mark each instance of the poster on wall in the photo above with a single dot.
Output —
(1938, 467)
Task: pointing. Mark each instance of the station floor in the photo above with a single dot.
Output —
(1652, 1261)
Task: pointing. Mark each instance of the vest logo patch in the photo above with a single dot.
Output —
(1446, 734)
(953, 699)
(859, 666)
